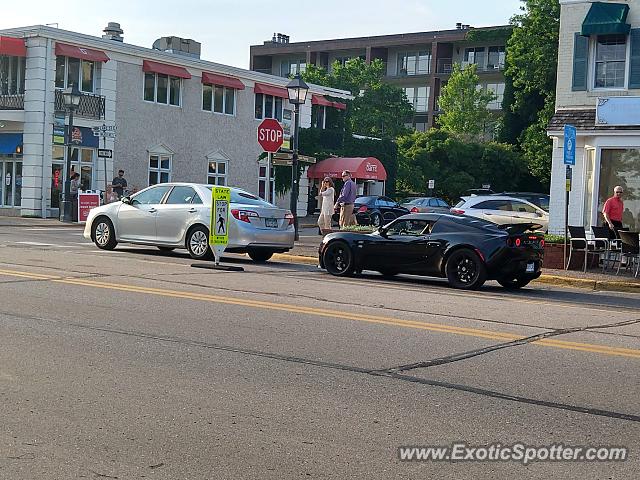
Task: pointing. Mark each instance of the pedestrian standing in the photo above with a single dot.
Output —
(119, 184)
(346, 200)
(74, 186)
(612, 211)
(327, 193)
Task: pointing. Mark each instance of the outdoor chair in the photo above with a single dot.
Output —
(630, 250)
(612, 253)
(578, 242)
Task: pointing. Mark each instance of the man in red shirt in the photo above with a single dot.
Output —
(613, 209)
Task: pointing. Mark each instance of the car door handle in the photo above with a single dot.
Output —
(152, 210)
(192, 210)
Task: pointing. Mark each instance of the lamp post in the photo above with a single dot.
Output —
(298, 90)
(71, 97)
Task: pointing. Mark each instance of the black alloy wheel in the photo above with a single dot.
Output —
(514, 283)
(198, 243)
(104, 235)
(376, 219)
(338, 259)
(465, 270)
(260, 255)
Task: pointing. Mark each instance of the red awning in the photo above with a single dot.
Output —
(13, 47)
(271, 90)
(320, 100)
(73, 51)
(339, 105)
(172, 70)
(215, 79)
(361, 168)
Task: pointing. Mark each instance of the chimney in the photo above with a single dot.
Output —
(459, 26)
(113, 32)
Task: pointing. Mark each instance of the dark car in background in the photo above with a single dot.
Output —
(466, 251)
(377, 210)
(426, 205)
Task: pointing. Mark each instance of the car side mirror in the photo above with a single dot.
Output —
(126, 200)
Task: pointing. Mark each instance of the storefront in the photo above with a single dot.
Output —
(10, 170)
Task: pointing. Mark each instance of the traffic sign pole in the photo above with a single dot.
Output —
(569, 154)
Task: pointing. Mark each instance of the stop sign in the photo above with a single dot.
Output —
(270, 135)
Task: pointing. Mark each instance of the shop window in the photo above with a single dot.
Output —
(621, 167)
(77, 72)
(164, 89)
(12, 70)
(268, 106)
(82, 162)
(159, 168)
(219, 99)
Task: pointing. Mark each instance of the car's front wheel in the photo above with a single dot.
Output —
(338, 259)
(514, 283)
(198, 243)
(104, 235)
(465, 270)
(376, 220)
(260, 255)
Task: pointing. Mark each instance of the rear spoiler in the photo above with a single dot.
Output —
(517, 228)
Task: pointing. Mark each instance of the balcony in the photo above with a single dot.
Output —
(91, 106)
(12, 102)
(445, 66)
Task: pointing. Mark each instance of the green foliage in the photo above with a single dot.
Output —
(357, 228)
(455, 164)
(464, 106)
(550, 238)
(378, 109)
(485, 35)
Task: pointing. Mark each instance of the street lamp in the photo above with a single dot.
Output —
(298, 90)
(71, 97)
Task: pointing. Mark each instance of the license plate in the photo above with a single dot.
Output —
(531, 267)
(271, 222)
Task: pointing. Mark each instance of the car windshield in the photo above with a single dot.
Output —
(460, 203)
(246, 198)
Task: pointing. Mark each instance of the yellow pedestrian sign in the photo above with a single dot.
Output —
(219, 225)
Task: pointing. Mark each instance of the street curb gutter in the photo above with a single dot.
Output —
(605, 285)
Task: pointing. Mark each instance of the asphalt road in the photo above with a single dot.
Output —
(133, 364)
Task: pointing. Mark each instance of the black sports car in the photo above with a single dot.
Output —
(465, 250)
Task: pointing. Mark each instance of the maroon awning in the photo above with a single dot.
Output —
(73, 51)
(163, 68)
(271, 90)
(363, 168)
(339, 105)
(14, 47)
(215, 79)
(320, 100)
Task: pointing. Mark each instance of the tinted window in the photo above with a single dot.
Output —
(433, 202)
(494, 205)
(181, 195)
(522, 207)
(365, 200)
(150, 196)
(409, 227)
(442, 203)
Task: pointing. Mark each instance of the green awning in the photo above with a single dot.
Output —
(606, 19)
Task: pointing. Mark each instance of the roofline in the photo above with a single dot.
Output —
(151, 54)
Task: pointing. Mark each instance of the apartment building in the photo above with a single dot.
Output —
(419, 63)
(178, 117)
(598, 92)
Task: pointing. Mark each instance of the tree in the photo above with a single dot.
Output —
(464, 104)
(532, 56)
(378, 109)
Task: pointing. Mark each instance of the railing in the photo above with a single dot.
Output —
(12, 102)
(445, 66)
(91, 106)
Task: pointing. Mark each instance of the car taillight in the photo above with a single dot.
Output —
(414, 210)
(244, 215)
(541, 242)
(517, 242)
(289, 216)
(362, 209)
(457, 211)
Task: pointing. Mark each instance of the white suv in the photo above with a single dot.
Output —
(502, 210)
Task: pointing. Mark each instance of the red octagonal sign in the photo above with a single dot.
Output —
(270, 135)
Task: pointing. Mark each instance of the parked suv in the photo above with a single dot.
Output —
(502, 210)
(539, 199)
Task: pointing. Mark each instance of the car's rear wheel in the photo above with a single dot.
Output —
(166, 249)
(338, 259)
(260, 255)
(514, 283)
(376, 219)
(465, 270)
(198, 243)
(104, 235)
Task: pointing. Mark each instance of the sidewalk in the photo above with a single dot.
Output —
(36, 222)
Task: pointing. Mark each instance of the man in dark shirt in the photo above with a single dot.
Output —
(119, 184)
(346, 199)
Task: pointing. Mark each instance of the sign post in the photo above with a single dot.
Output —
(432, 185)
(105, 131)
(219, 227)
(569, 160)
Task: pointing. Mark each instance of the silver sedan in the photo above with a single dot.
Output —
(177, 215)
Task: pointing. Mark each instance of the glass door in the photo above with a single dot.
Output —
(57, 184)
(589, 168)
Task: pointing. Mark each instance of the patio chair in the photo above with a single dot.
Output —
(630, 250)
(579, 243)
(601, 235)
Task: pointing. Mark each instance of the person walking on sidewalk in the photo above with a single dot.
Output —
(612, 211)
(327, 193)
(346, 200)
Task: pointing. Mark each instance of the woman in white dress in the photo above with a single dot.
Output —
(327, 194)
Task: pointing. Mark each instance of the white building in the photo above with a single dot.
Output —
(598, 91)
(178, 118)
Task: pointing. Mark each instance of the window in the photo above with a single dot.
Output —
(414, 63)
(181, 195)
(217, 174)
(159, 168)
(262, 182)
(160, 88)
(75, 71)
(150, 196)
(268, 106)
(410, 227)
(219, 99)
(318, 116)
(82, 162)
(522, 207)
(496, 58)
(418, 97)
(292, 66)
(610, 63)
(474, 55)
(498, 90)
(12, 71)
(494, 205)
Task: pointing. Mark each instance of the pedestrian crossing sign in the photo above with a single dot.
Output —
(219, 226)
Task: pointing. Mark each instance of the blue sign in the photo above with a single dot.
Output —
(569, 145)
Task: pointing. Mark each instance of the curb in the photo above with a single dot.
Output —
(604, 285)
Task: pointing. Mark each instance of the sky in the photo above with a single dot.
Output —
(226, 28)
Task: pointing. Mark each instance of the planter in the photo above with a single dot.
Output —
(554, 258)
